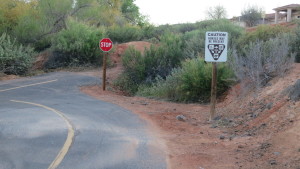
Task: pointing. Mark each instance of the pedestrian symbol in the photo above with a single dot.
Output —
(216, 50)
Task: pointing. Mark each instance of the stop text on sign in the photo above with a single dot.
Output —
(105, 44)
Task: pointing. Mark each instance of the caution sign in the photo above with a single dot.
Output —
(216, 46)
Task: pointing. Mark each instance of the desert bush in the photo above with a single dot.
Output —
(262, 33)
(195, 40)
(77, 45)
(157, 61)
(262, 61)
(134, 71)
(14, 58)
(126, 33)
(160, 60)
(190, 83)
(296, 43)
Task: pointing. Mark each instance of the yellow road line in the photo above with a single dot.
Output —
(50, 81)
(71, 133)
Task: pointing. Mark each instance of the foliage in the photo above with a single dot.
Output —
(77, 45)
(162, 59)
(156, 61)
(262, 33)
(296, 43)
(134, 74)
(190, 83)
(195, 40)
(12, 11)
(124, 34)
(216, 12)
(14, 58)
(263, 60)
(131, 13)
(251, 15)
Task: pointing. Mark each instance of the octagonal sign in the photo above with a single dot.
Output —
(105, 44)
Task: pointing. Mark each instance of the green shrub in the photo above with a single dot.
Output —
(262, 61)
(161, 59)
(296, 44)
(157, 61)
(125, 34)
(195, 40)
(77, 45)
(14, 58)
(134, 65)
(190, 83)
(262, 33)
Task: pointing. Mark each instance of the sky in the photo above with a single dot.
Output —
(183, 11)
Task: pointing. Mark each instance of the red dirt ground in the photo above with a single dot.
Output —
(259, 130)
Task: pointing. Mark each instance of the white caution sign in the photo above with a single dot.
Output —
(216, 46)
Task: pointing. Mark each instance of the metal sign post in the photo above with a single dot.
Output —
(215, 51)
(105, 45)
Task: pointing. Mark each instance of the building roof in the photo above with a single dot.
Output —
(272, 15)
(284, 8)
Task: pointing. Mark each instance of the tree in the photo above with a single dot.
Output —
(251, 15)
(216, 12)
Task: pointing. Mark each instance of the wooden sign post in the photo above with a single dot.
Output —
(215, 51)
(105, 45)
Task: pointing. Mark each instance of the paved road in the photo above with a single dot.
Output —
(46, 123)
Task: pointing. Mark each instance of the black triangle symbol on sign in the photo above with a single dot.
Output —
(216, 50)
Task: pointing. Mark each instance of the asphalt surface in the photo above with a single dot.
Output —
(32, 134)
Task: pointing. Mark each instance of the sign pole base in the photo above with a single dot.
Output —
(213, 98)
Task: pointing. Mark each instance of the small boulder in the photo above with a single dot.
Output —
(181, 118)
(222, 137)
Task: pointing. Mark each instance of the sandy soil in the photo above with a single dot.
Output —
(258, 130)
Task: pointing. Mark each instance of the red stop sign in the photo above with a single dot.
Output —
(105, 44)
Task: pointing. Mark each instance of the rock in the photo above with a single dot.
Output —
(273, 162)
(240, 146)
(295, 91)
(214, 126)
(269, 105)
(277, 153)
(144, 103)
(181, 118)
(217, 118)
(222, 137)
(265, 145)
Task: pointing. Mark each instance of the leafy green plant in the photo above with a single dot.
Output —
(262, 61)
(156, 61)
(296, 43)
(121, 34)
(190, 83)
(77, 45)
(262, 33)
(14, 58)
(195, 40)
